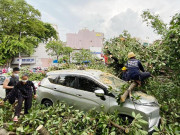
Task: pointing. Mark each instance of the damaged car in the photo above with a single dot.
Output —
(87, 89)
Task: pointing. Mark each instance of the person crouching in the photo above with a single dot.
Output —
(136, 70)
(24, 93)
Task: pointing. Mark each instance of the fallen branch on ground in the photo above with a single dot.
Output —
(42, 130)
(126, 130)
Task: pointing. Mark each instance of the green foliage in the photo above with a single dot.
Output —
(137, 125)
(171, 129)
(83, 55)
(166, 92)
(32, 76)
(170, 39)
(64, 59)
(154, 20)
(50, 32)
(152, 57)
(172, 43)
(57, 48)
(11, 46)
(162, 58)
(21, 29)
(62, 119)
(120, 46)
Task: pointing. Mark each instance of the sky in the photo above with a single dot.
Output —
(111, 17)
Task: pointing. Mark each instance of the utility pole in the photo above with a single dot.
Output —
(20, 59)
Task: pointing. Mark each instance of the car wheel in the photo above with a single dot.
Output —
(47, 103)
(126, 118)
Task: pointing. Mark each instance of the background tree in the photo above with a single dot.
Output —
(155, 22)
(57, 48)
(21, 29)
(66, 55)
(83, 56)
(170, 38)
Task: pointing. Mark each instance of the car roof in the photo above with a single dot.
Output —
(87, 72)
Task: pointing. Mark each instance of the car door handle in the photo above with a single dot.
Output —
(54, 88)
(78, 95)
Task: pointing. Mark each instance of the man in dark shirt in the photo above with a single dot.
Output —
(135, 69)
(9, 83)
(23, 91)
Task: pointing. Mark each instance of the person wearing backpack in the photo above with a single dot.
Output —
(10, 83)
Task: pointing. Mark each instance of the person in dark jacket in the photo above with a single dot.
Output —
(135, 69)
(10, 83)
(24, 91)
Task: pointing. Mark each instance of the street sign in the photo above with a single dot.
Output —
(24, 60)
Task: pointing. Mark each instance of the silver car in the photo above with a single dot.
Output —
(87, 89)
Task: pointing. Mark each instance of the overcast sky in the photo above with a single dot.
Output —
(108, 16)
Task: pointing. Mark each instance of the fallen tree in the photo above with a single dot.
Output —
(128, 91)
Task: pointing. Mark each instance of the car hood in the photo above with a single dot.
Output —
(141, 98)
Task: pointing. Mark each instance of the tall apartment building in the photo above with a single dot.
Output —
(86, 39)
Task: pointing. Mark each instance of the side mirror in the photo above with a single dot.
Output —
(99, 92)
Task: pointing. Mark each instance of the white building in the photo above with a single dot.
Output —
(40, 58)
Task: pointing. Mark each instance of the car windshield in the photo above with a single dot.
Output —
(111, 80)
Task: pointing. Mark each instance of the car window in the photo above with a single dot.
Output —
(87, 84)
(65, 80)
(2, 78)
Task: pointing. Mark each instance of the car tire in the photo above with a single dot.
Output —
(129, 118)
(47, 103)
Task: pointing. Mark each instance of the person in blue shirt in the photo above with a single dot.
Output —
(135, 69)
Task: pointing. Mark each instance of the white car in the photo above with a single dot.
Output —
(2, 91)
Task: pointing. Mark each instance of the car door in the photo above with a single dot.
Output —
(88, 98)
(65, 89)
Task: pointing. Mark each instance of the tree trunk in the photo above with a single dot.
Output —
(128, 91)
(58, 61)
(42, 131)
(69, 58)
